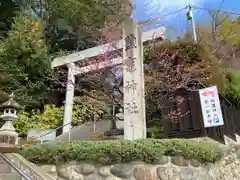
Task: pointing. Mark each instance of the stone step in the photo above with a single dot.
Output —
(7, 173)
(10, 176)
(4, 168)
(2, 161)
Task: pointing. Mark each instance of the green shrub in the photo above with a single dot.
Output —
(119, 151)
(50, 118)
(232, 86)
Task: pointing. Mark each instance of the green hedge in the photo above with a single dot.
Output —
(118, 151)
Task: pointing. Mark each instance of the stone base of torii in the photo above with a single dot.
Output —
(133, 76)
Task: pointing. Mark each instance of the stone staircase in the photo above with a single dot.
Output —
(86, 131)
(7, 173)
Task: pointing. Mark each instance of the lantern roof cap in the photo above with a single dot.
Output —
(11, 103)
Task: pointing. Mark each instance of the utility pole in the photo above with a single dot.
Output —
(191, 18)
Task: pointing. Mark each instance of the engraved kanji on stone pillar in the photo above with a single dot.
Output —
(133, 82)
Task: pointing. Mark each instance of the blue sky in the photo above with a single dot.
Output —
(166, 11)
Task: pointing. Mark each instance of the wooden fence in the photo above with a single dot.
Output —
(190, 125)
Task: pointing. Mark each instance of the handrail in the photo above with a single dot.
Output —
(59, 127)
(21, 173)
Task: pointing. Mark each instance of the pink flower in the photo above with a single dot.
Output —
(180, 99)
(102, 54)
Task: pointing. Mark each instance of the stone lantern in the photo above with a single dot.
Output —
(8, 135)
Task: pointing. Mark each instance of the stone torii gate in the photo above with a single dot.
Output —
(133, 75)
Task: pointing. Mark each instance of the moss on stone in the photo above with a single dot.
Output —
(119, 151)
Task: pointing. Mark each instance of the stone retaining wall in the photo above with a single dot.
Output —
(166, 168)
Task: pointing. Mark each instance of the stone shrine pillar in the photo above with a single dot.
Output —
(133, 82)
(8, 135)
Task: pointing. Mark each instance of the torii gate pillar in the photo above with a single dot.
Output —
(69, 98)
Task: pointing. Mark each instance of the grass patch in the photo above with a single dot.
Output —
(120, 151)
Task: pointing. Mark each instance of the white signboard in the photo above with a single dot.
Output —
(211, 108)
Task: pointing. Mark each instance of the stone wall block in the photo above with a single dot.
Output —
(145, 172)
(105, 171)
(124, 171)
(67, 171)
(194, 163)
(162, 173)
(162, 160)
(179, 161)
(188, 173)
(64, 171)
(84, 169)
(94, 177)
(168, 172)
